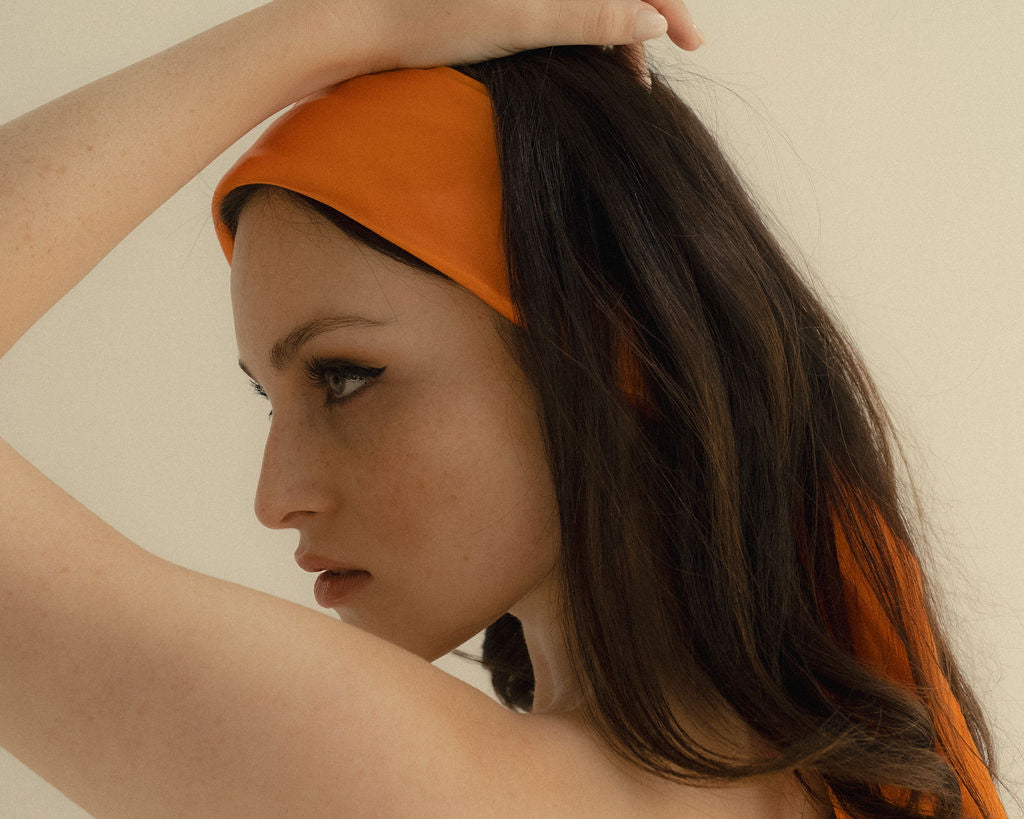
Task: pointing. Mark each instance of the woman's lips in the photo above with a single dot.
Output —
(333, 588)
(312, 562)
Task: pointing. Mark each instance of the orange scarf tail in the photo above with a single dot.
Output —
(877, 643)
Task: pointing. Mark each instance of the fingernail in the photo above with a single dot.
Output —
(700, 36)
(648, 25)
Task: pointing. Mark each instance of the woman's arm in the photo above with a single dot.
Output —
(81, 172)
(140, 688)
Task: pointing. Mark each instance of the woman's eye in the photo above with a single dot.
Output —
(341, 385)
(339, 379)
(256, 388)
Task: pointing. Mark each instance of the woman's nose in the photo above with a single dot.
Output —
(294, 476)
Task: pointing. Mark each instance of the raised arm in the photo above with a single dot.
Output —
(140, 688)
(80, 173)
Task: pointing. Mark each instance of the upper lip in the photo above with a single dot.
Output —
(312, 562)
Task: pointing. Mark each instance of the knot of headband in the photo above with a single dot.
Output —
(412, 156)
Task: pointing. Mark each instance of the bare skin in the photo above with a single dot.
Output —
(430, 476)
(368, 483)
(200, 697)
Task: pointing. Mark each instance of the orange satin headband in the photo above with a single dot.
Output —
(409, 154)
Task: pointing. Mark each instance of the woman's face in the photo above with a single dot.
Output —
(430, 476)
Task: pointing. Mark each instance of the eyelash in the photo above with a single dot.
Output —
(318, 372)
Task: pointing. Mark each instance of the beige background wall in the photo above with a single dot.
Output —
(887, 137)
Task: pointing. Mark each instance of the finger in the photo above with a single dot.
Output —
(611, 22)
(681, 28)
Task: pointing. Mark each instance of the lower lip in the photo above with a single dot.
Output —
(333, 589)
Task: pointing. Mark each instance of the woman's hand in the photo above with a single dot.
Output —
(78, 174)
(428, 33)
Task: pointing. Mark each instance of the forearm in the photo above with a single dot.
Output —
(80, 173)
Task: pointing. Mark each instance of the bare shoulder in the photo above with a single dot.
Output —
(570, 774)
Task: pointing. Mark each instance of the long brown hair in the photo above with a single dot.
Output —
(699, 557)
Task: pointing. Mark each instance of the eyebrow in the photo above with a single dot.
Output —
(287, 347)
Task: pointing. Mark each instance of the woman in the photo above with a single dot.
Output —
(499, 443)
